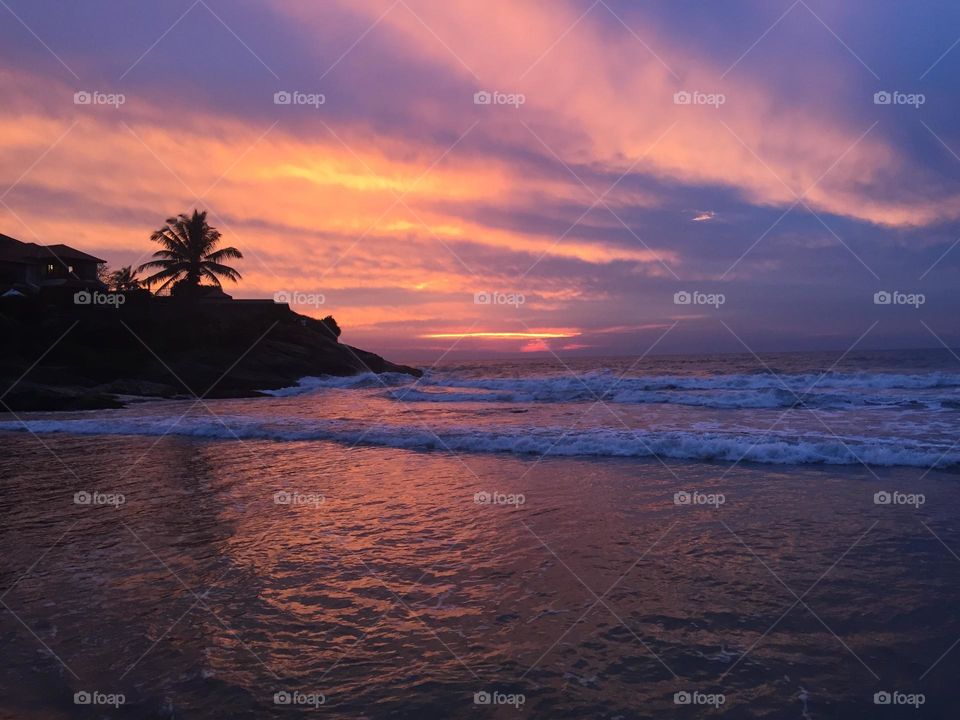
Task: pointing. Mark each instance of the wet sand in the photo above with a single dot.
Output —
(380, 586)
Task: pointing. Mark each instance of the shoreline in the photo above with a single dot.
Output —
(264, 423)
(705, 595)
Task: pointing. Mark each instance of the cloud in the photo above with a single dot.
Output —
(535, 346)
(771, 150)
(399, 198)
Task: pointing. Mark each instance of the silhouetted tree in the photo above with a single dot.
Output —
(124, 279)
(189, 254)
(104, 273)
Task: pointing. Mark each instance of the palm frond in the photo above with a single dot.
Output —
(210, 276)
(222, 270)
(218, 267)
(223, 253)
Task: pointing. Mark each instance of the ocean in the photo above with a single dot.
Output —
(880, 408)
(770, 536)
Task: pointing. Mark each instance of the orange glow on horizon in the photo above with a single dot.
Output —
(399, 212)
(505, 335)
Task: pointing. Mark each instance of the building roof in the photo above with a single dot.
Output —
(13, 250)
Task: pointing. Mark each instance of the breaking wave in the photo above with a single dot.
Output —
(309, 385)
(745, 391)
(603, 380)
(721, 400)
(551, 441)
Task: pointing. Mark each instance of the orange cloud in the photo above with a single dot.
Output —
(596, 96)
(535, 346)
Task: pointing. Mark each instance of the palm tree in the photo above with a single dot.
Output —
(189, 254)
(125, 279)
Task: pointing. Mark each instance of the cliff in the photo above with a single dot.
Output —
(91, 356)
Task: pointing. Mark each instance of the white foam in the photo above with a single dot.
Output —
(554, 441)
(341, 382)
(607, 380)
(758, 399)
(631, 393)
(745, 391)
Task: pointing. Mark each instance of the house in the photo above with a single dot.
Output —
(29, 268)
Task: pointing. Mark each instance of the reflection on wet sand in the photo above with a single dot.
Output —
(376, 586)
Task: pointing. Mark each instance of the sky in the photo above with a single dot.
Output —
(454, 178)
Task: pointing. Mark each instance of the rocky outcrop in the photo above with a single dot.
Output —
(161, 348)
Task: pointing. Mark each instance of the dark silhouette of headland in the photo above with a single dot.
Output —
(79, 337)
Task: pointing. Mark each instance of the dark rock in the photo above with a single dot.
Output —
(29, 397)
(166, 347)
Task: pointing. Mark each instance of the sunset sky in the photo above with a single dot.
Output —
(784, 186)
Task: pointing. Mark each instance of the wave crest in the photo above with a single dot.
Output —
(555, 441)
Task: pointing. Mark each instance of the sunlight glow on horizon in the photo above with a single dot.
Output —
(505, 335)
(400, 198)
